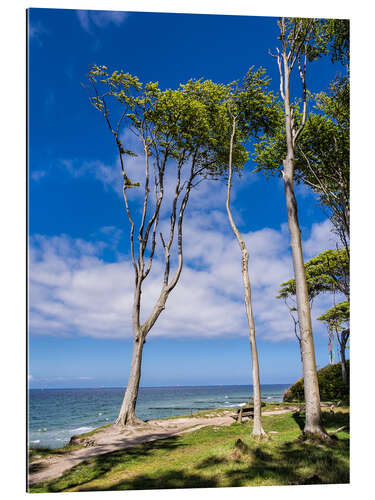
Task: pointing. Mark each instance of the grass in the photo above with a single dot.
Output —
(208, 458)
(219, 412)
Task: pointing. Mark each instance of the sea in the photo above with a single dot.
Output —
(55, 415)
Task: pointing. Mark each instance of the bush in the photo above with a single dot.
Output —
(331, 386)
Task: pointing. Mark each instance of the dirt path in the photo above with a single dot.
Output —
(113, 439)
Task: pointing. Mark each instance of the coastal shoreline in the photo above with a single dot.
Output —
(111, 438)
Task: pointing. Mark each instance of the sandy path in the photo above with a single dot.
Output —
(113, 439)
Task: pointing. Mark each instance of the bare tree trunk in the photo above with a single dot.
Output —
(127, 412)
(258, 430)
(342, 340)
(313, 418)
(331, 347)
(343, 364)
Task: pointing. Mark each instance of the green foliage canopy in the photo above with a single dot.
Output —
(326, 272)
(337, 317)
(322, 155)
(189, 122)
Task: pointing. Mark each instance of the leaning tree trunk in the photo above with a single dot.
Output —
(258, 430)
(127, 412)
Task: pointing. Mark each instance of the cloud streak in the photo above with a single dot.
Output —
(37, 31)
(91, 19)
(74, 291)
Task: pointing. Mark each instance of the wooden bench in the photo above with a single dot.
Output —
(244, 412)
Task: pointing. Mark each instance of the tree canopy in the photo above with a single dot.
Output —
(337, 317)
(322, 155)
(326, 272)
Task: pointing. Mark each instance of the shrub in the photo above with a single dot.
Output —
(331, 386)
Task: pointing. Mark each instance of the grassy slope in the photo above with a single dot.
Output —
(206, 458)
(37, 452)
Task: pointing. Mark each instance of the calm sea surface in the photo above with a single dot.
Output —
(55, 415)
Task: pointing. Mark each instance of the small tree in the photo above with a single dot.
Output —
(180, 131)
(326, 273)
(337, 320)
(287, 293)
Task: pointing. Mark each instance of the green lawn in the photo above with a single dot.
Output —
(208, 458)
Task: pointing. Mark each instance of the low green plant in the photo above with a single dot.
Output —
(331, 385)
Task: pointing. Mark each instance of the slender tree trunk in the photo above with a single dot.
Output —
(313, 417)
(331, 347)
(258, 430)
(127, 412)
(343, 364)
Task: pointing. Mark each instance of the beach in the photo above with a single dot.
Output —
(55, 415)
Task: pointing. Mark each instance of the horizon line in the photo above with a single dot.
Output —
(153, 386)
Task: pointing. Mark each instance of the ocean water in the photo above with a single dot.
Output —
(55, 415)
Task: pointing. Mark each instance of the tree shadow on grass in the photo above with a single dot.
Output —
(37, 467)
(170, 479)
(211, 462)
(337, 419)
(295, 463)
(99, 465)
(329, 420)
(299, 418)
(288, 463)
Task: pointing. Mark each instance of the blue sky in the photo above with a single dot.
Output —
(79, 271)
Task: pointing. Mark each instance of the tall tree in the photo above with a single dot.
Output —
(258, 430)
(300, 39)
(181, 131)
(337, 320)
(251, 110)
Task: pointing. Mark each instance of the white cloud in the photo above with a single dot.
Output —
(321, 238)
(99, 19)
(75, 292)
(36, 31)
(108, 175)
(38, 174)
